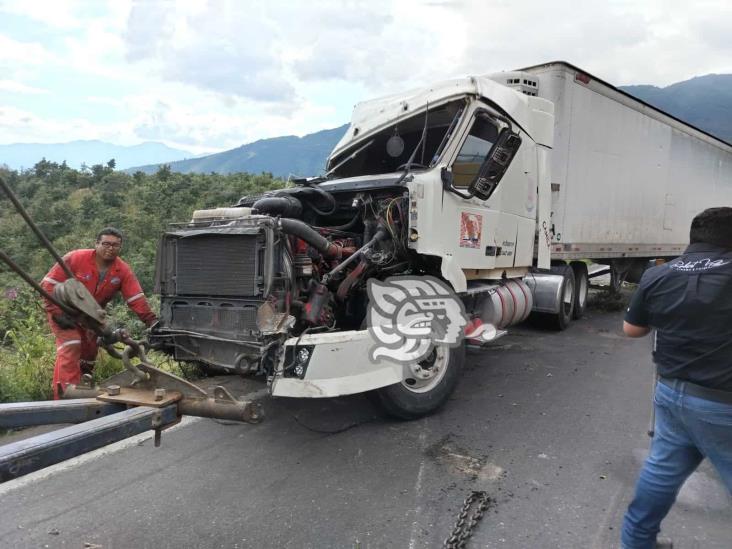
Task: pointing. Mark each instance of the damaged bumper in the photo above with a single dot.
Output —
(331, 365)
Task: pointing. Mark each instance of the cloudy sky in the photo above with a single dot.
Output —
(212, 75)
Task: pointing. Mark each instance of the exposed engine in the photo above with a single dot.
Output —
(234, 282)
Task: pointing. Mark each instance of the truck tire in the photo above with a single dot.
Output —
(581, 287)
(432, 382)
(561, 319)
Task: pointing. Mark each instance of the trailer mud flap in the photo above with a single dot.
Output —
(331, 365)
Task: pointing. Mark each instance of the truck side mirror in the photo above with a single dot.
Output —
(495, 164)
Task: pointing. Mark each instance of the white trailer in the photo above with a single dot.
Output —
(626, 178)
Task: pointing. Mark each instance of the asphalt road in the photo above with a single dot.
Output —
(551, 425)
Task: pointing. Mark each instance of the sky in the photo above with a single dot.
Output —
(212, 75)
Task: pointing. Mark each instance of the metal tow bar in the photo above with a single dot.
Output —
(140, 398)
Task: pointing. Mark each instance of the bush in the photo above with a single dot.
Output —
(27, 354)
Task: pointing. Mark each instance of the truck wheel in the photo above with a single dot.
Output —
(561, 319)
(581, 287)
(427, 384)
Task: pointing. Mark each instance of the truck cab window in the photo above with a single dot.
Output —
(473, 152)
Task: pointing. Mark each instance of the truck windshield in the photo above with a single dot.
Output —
(391, 148)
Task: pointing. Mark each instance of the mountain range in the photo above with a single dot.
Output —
(704, 102)
(280, 156)
(19, 156)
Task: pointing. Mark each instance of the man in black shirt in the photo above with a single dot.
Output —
(689, 303)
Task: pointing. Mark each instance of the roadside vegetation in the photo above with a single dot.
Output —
(70, 206)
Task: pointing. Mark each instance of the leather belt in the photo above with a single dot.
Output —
(693, 389)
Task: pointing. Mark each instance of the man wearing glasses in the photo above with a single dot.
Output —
(104, 274)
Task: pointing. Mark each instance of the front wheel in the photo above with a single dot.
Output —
(426, 386)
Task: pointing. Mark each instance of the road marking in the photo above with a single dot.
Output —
(52, 470)
(418, 489)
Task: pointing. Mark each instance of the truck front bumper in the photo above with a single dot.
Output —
(331, 365)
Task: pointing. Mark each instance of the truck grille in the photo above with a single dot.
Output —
(217, 265)
(219, 319)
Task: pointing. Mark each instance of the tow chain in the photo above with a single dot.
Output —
(466, 523)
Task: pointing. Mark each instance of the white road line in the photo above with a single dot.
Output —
(418, 490)
(31, 478)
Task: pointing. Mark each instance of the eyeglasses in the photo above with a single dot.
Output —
(114, 245)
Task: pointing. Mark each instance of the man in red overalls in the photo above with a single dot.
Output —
(104, 274)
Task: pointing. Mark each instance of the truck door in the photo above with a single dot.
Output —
(484, 234)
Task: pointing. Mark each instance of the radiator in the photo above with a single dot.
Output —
(217, 265)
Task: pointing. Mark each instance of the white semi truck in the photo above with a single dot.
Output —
(501, 186)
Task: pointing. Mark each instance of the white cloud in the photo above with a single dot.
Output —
(228, 50)
(18, 125)
(52, 13)
(219, 73)
(18, 87)
(15, 51)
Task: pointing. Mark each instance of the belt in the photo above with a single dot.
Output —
(695, 390)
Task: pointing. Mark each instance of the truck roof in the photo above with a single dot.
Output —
(374, 115)
(645, 106)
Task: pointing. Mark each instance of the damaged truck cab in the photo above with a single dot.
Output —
(448, 182)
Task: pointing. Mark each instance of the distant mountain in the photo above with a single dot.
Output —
(76, 153)
(704, 102)
(281, 156)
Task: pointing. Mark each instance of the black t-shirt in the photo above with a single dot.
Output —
(689, 303)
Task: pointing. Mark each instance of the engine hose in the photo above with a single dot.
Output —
(308, 234)
(344, 227)
(329, 197)
(381, 234)
(353, 277)
(286, 206)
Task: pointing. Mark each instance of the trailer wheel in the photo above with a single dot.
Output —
(427, 384)
(581, 287)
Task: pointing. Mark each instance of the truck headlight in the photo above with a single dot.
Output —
(297, 360)
(303, 356)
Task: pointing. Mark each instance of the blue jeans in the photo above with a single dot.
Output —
(687, 430)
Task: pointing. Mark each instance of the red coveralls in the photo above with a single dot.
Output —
(78, 346)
